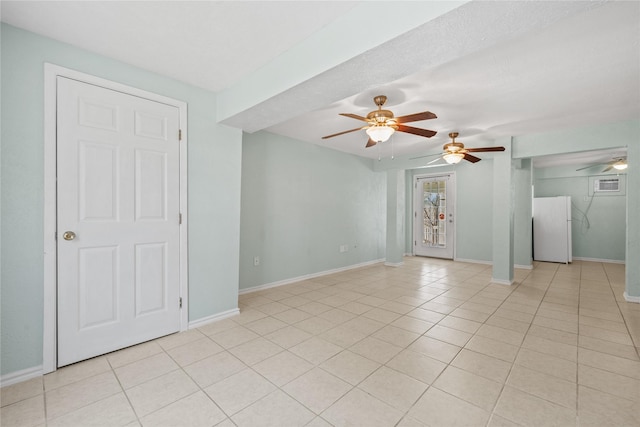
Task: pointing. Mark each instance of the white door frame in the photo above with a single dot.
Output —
(414, 197)
(51, 72)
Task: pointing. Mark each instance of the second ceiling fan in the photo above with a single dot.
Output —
(381, 124)
(455, 152)
(618, 163)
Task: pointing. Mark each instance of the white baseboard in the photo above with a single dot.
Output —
(37, 371)
(473, 261)
(629, 298)
(476, 261)
(306, 277)
(394, 264)
(213, 318)
(502, 282)
(20, 376)
(607, 261)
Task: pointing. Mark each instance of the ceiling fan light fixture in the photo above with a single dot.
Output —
(453, 158)
(380, 133)
(620, 165)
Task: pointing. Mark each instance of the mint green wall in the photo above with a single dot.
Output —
(300, 203)
(596, 137)
(522, 209)
(474, 200)
(632, 266)
(214, 188)
(474, 209)
(523, 149)
(599, 235)
(474, 194)
(503, 215)
(396, 210)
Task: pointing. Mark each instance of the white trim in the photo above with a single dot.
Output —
(476, 261)
(49, 330)
(20, 376)
(51, 72)
(394, 264)
(454, 207)
(473, 261)
(607, 261)
(306, 277)
(629, 298)
(502, 282)
(213, 318)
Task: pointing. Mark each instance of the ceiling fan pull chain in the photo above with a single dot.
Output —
(392, 145)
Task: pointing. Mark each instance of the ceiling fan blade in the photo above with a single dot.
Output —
(608, 168)
(470, 158)
(417, 131)
(425, 115)
(341, 133)
(354, 116)
(587, 167)
(428, 155)
(434, 160)
(484, 149)
(370, 143)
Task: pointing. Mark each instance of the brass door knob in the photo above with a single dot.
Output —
(69, 235)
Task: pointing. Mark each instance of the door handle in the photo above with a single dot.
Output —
(69, 235)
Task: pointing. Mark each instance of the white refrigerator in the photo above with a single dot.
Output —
(552, 229)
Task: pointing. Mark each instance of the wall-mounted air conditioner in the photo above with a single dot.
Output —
(606, 185)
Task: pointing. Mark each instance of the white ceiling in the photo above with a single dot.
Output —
(486, 69)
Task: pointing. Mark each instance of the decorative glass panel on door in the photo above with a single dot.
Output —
(434, 213)
(434, 216)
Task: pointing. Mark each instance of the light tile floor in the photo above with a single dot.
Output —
(430, 343)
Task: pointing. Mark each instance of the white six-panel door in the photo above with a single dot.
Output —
(118, 220)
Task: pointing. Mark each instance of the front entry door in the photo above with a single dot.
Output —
(118, 232)
(434, 215)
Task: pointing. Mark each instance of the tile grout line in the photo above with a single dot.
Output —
(624, 318)
(396, 286)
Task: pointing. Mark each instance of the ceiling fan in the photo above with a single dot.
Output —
(454, 151)
(618, 163)
(381, 124)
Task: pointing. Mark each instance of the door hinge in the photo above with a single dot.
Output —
(415, 214)
(179, 134)
(180, 302)
(415, 243)
(180, 218)
(55, 235)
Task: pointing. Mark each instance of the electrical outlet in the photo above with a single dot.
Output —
(256, 260)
